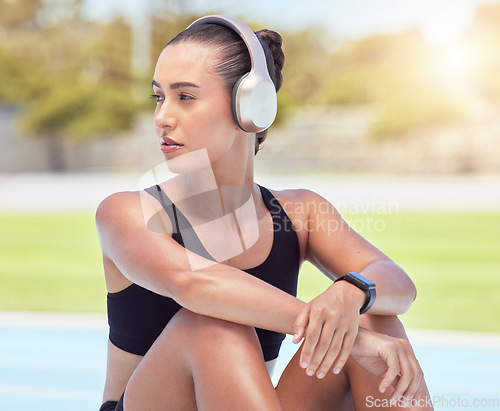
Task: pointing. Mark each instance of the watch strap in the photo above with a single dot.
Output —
(363, 284)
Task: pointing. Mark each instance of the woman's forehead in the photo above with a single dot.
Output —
(187, 58)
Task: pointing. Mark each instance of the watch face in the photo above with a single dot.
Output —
(363, 284)
(359, 281)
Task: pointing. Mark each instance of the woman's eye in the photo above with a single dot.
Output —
(185, 97)
(157, 98)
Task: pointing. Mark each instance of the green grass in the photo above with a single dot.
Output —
(52, 262)
(453, 259)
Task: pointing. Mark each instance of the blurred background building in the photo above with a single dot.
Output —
(410, 90)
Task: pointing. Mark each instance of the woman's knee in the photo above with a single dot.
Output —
(205, 334)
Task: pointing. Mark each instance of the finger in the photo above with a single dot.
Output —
(418, 395)
(331, 354)
(343, 351)
(391, 376)
(406, 373)
(313, 334)
(300, 324)
(322, 359)
(383, 386)
(414, 387)
(418, 376)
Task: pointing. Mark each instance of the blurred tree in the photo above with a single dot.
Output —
(394, 74)
(305, 71)
(77, 112)
(72, 77)
(484, 35)
(18, 78)
(107, 55)
(20, 14)
(485, 25)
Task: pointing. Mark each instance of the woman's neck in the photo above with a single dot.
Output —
(234, 188)
(214, 190)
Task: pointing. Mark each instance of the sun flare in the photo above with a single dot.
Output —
(458, 59)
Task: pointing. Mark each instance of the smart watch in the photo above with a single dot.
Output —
(363, 284)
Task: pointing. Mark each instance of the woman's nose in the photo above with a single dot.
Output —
(164, 115)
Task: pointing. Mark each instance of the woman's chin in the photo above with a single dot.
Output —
(188, 162)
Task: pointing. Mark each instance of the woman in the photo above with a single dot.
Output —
(201, 270)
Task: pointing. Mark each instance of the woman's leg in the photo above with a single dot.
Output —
(353, 388)
(298, 392)
(202, 363)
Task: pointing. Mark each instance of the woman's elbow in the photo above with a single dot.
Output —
(188, 289)
(410, 294)
(178, 285)
(413, 292)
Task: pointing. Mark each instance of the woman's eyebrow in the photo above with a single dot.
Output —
(182, 84)
(174, 86)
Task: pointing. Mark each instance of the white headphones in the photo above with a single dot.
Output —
(254, 101)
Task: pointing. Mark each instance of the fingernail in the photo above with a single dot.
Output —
(320, 375)
(304, 364)
(310, 373)
(336, 370)
(382, 390)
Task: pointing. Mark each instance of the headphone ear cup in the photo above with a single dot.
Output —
(235, 104)
(254, 100)
(254, 103)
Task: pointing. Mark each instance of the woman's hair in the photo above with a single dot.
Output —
(234, 57)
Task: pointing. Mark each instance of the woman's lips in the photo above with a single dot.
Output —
(168, 145)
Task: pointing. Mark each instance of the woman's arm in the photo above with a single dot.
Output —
(336, 249)
(156, 262)
(330, 321)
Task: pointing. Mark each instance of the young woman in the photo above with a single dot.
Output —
(201, 270)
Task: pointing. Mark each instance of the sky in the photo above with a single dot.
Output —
(441, 21)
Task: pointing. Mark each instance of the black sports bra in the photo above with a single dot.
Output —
(137, 316)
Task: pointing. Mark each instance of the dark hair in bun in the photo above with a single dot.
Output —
(234, 59)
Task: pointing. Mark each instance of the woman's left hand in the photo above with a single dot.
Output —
(329, 324)
(391, 359)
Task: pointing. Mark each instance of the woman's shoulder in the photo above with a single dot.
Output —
(299, 201)
(301, 204)
(125, 205)
(116, 202)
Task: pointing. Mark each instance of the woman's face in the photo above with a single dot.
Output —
(193, 110)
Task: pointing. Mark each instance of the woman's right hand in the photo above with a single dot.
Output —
(391, 359)
(329, 324)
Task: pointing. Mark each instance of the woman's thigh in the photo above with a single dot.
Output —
(163, 379)
(200, 362)
(297, 391)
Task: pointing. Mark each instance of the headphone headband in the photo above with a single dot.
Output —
(254, 100)
(251, 40)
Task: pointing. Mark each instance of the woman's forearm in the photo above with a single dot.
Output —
(227, 293)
